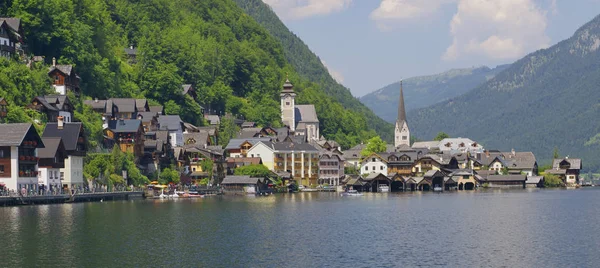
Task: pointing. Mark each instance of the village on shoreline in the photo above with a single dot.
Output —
(163, 149)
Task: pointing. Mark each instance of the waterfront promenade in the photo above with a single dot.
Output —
(16, 200)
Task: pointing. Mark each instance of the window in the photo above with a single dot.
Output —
(287, 103)
(381, 168)
(62, 176)
(373, 159)
(404, 138)
(1, 169)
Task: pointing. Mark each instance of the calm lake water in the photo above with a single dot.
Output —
(519, 228)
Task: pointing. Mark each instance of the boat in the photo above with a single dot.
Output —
(383, 189)
(437, 189)
(351, 193)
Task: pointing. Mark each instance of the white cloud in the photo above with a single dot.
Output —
(500, 30)
(299, 9)
(335, 74)
(406, 9)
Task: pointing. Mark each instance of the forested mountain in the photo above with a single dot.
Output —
(235, 65)
(423, 91)
(309, 66)
(548, 98)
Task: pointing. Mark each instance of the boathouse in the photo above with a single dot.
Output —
(244, 185)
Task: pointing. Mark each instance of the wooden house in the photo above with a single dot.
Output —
(127, 134)
(64, 78)
(3, 108)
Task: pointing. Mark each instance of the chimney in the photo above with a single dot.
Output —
(487, 153)
(61, 122)
(54, 61)
(131, 46)
(95, 99)
(513, 152)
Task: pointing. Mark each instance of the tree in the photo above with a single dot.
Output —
(440, 136)
(551, 180)
(259, 171)
(169, 175)
(555, 154)
(374, 145)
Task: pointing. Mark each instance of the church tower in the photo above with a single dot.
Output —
(402, 133)
(288, 114)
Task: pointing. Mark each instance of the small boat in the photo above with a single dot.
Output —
(383, 189)
(437, 189)
(351, 193)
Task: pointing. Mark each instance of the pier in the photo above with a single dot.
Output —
(66, 198)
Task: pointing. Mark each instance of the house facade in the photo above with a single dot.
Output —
(374, 163)
(127, 134)
(52, 160)
(19, 156)
(301, 160)
(74, 140)
(64, 78)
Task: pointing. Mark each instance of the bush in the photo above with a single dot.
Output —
(552, 181)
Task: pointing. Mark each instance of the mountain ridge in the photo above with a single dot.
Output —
(421, 91)
(542, 101)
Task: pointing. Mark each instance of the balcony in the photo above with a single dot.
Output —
(7, 48)
(26, 159)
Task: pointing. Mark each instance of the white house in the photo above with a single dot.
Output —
(264, 150)
(73, 138)
(52, 159)
(373, 164)
(18, 156)
(174, 125)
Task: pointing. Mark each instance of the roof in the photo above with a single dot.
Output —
(186, 89)
(306, 113)
(236, 143)
(212, 130)
(51, 146)
(156, 108)
(520, 160)
(169, 122)
(462, 172)
(248, 124)
(401, 119)
(69, 133)
(556, 171)
(58, 100)
(146, 116)
(124, 105)
(373, 176)
(45, 103)
(131, 51)
(141, 104)
(66, 69)
(249, 160)
(213, 119)
(240, 180)
(13, 134)
(426, 144)
(14, 23)
(287, 87)
(250, 132)
(200, 138)
(505, 178)
(162, 135)
(534, 179)
(460, 144)
(430, 173)
(292, 146)
(574, 162)
(151, 144)
(120, 126)
(485, 172)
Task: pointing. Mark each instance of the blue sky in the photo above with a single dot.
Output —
(367, 44)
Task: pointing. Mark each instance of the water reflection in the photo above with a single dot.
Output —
(531, 228)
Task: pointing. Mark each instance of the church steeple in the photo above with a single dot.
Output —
(402, 133)
(288, 106)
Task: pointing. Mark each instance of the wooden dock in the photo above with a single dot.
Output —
(66, 198)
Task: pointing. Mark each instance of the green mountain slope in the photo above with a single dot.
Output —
(548, 98)
(309, 66)
(235, 65)
(423, 91)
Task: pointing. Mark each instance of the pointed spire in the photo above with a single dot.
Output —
(401, 110)
(287, 86)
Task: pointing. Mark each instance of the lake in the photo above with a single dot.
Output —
(513, 228)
